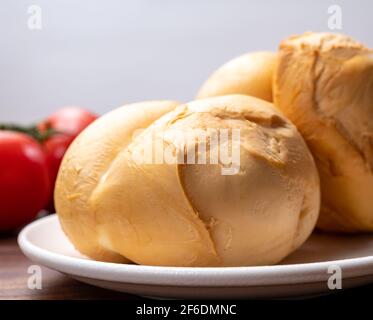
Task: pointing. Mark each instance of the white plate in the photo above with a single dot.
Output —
(304, 272)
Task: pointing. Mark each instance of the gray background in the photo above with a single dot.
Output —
(102, 54)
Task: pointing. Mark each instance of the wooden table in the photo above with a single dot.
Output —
(56, 286)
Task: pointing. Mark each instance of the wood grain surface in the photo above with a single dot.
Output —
(55, 286)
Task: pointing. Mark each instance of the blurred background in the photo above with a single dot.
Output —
(102, 54)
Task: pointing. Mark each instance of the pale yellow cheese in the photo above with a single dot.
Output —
(324, 85)
(249, 74)
(174, 214)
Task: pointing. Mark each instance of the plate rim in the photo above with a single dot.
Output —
(188, 276)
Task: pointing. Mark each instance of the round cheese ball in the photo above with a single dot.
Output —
(324, 84)
(249, 74)
(163, 197)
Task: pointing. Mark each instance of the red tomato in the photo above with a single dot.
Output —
(68, 122)
(24, 179)
(55, 147)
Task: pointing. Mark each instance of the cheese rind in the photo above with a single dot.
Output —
(189, 214)
(249, 74)
(324, 84)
